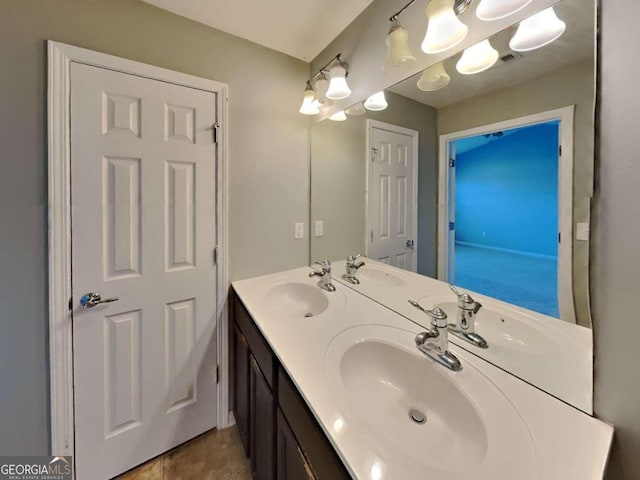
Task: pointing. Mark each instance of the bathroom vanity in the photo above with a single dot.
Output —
(330, 385)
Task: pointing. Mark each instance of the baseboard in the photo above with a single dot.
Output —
(507, 250)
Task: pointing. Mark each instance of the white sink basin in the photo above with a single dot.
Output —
(378, 376)
(297, 299)
(376, 276)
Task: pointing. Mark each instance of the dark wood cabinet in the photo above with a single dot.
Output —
(241, 386)
(292, 464)
(277, 428)
(261, 425)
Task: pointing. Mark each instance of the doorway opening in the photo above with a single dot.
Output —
(507, 207)
(506, 216)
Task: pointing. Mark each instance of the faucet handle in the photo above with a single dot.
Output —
(353, 258)
(325, 264)
(438, 316)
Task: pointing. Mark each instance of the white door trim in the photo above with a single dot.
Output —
(60, 57)
(371, 124)
(565, 196)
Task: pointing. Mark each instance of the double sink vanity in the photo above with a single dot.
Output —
(370, 368)
(329, 383)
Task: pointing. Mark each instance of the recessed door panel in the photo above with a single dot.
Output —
(123, 357)
(180, 215)
(122, 215)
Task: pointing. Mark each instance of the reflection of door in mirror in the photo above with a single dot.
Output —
(392, 176)
(509, 204)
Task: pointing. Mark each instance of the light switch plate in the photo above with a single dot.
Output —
(582, 232)
(299, 231)
(319, 228)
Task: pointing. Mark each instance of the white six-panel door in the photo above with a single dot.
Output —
(143, 231)
(392, 236)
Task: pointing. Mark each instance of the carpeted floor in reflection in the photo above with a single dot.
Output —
(527, 281)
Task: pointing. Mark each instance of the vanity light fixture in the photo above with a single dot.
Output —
(434, 78)
(398, 52)
(309, 106)
(376, 102)
(477, 58)
(496, 9)
(537, 31)
(356, 110)
(326, 90)
(338, 116)
(444, 29)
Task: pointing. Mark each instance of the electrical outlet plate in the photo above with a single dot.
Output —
(582, 232)
(299, 231)
(319, 228)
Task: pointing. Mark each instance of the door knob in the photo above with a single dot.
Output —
(91, 299)
(410, 243)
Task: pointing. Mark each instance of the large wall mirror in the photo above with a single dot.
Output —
(485, 183)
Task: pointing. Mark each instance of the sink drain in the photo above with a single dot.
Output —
(417, 416)
(307, 315)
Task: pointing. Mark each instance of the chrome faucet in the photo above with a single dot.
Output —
(435, 342)
(465, 327)
(325, 276)
(352, 268)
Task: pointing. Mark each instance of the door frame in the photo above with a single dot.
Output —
(565, 196)
(60, 58)
(371, 124)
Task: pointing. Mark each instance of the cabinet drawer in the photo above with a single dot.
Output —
(324, 461)
(257, 344)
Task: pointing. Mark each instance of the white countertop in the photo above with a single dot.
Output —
(566, 443)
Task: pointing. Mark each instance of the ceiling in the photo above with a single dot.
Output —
(300, 28)
(576, 44)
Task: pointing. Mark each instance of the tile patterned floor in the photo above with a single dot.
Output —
(215, 455)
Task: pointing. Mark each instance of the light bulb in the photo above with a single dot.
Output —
(309, 105)
(537, 31)
(477, 58)
(434, 78)
(356, 110)
(338, 116)
(398, 53)
(496, 9)
(444, 30)
(376, 102)
(338, 87)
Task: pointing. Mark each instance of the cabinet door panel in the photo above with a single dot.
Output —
(241, 387)
(262, 425)
(292, 465)
(322, 457)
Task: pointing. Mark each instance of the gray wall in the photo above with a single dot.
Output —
(268, 166)
(338, 180)
(570, 85)
(615, 266)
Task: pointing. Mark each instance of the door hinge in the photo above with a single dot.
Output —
(216, 131)
(452, 162)
(559, 237)
(215, 255)
(560, 150)
(452, 226)
(372, 235)
(70, 304)
(217, 374)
